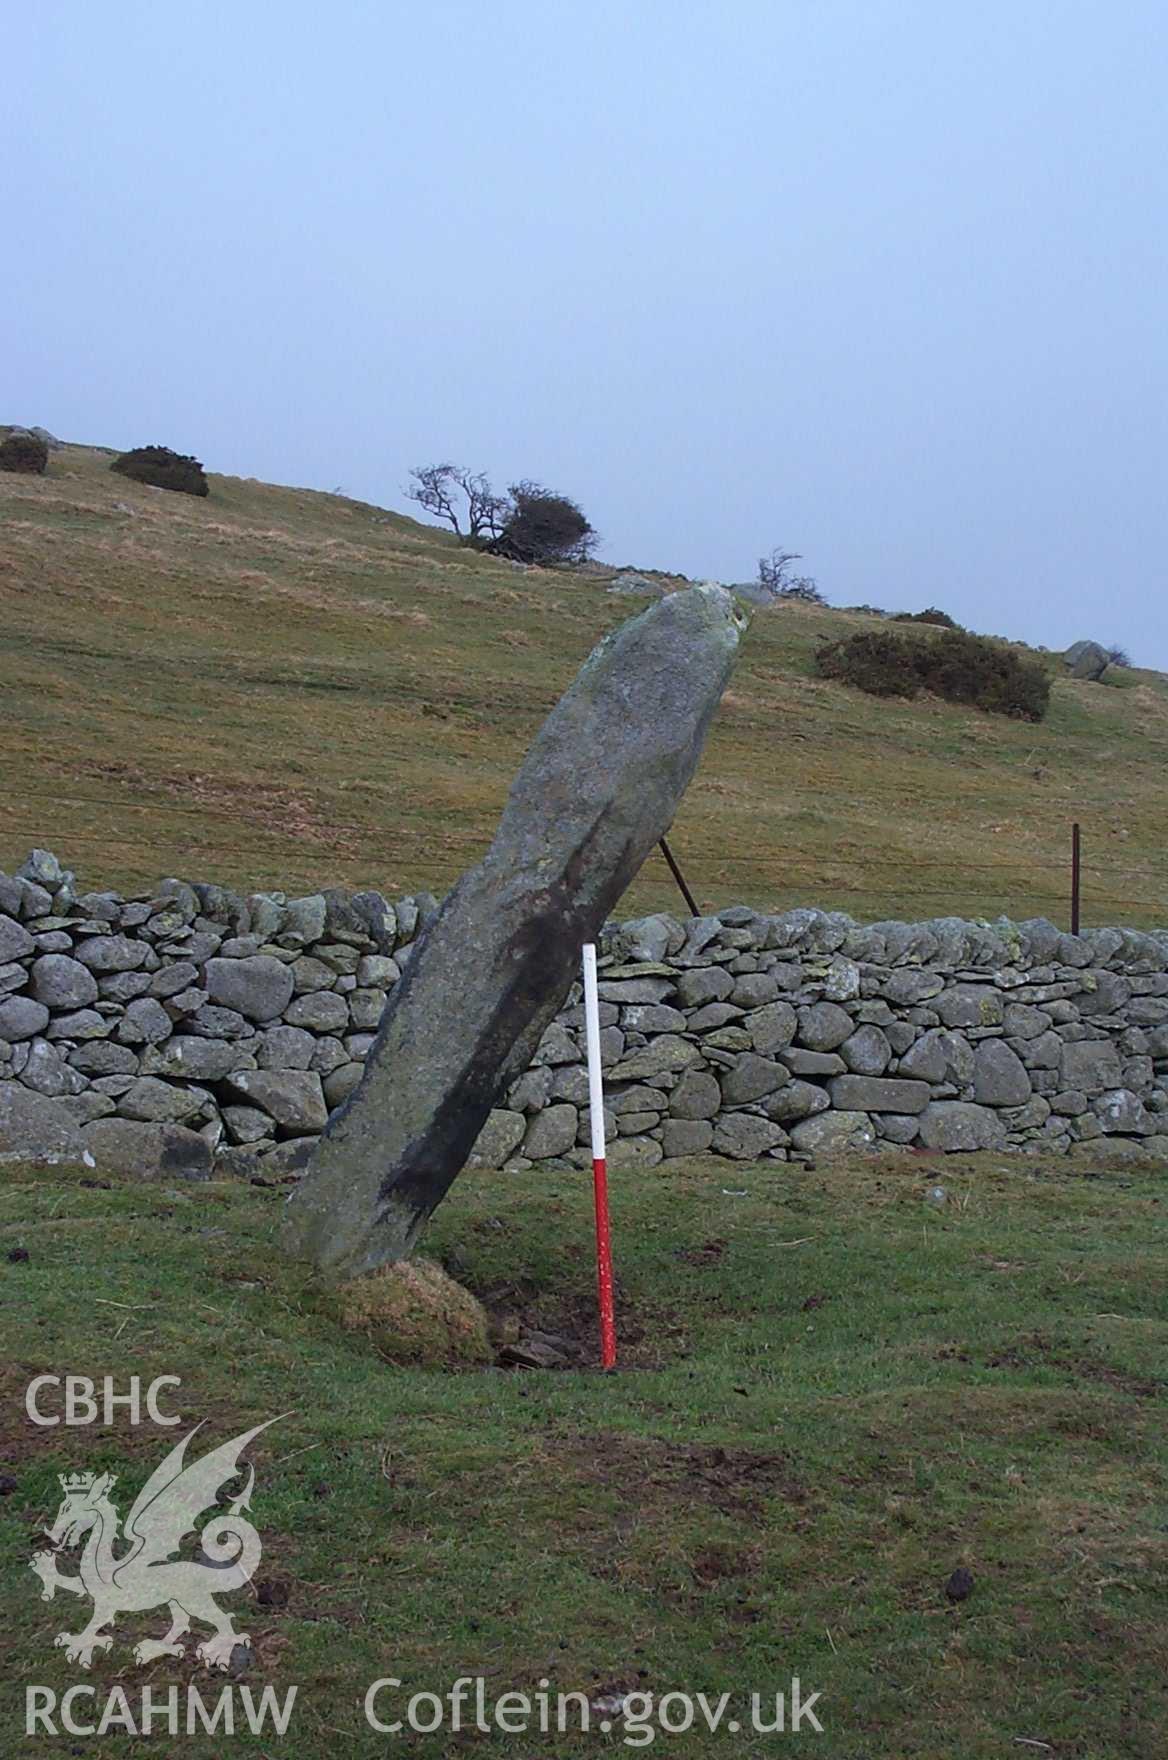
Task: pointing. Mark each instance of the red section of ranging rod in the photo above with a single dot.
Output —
(604, 1265)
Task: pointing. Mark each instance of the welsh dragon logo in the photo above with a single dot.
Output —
(145, 1573)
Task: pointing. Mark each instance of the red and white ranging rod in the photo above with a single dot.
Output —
(599, 1166)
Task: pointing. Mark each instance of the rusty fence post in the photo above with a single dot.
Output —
(680, 878)
(1076, 877)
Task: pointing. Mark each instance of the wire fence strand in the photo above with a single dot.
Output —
(1001, 887)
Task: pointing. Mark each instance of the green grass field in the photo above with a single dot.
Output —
(279, 687)
(833, 1394)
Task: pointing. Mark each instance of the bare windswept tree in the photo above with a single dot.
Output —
(529, 524)
(774, 573)
(544, 528)
(487, 512)
(452, 493)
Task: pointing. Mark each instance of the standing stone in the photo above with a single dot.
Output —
(598, 789)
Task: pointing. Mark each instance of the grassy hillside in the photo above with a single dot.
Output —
(274, 686)
(834, 1393)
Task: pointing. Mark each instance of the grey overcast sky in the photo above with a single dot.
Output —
(881, 281)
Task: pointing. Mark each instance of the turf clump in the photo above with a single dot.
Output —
(414, 1314)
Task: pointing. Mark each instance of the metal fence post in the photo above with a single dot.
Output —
(1076, 876)
(680, 878)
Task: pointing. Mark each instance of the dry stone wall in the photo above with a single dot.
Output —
(195, 1031)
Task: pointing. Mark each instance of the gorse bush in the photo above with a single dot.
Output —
(873, 661)
(931, 614)
(959, 667)
(162, 469)
(964, 668)
(25, 453)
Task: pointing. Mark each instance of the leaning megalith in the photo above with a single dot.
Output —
(598, 788)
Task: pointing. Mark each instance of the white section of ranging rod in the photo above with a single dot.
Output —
(592, 1033)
